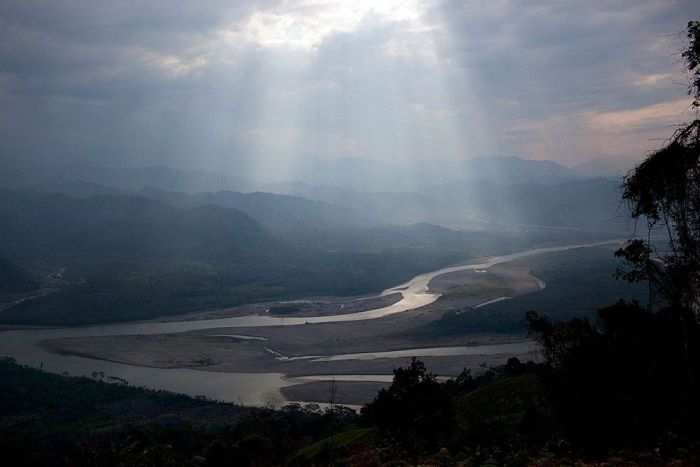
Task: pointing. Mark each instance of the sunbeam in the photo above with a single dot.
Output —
(358, 80)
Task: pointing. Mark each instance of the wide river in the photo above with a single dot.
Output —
(247, 388)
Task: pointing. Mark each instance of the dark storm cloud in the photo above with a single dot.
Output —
(210, 83)
(107, 80)
(587, 51)
(563, 61)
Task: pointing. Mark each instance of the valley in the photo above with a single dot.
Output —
(246, 354)
(264, 298)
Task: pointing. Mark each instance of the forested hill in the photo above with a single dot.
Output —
(124, 257)
(57, 227)
(116, 258)
(278, 213)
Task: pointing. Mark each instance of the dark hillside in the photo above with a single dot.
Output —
(14, 278)
(115, 258)
(277, 213)
(47, 419)
(56, 227)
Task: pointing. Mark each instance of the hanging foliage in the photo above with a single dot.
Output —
(665, 190)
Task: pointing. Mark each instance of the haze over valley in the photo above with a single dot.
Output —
(87, 245)
(333, 232)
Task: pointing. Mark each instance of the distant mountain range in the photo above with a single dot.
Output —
(504, 190)
(370, 175)
(561, 200)
(345, 173)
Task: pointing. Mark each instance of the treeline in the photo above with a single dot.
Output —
(623, 387)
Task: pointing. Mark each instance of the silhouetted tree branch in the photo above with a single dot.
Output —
(665, 190)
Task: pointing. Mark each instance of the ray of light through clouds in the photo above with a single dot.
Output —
(260, 88)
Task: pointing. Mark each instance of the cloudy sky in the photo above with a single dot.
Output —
(210, 84)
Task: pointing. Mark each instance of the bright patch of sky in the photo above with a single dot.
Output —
(308, 23)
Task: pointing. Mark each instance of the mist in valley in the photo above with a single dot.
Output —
(305, 232)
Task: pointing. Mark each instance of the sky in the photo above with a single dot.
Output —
(245, 85)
